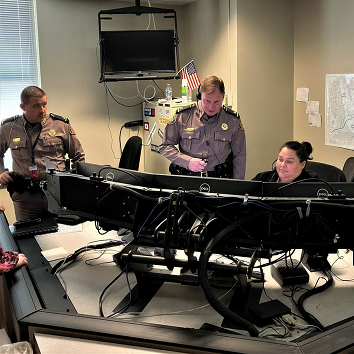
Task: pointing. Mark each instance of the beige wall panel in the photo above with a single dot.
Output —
(324, 31)
(265, 78)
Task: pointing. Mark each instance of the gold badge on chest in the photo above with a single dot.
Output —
(52, 132)
(224, 126)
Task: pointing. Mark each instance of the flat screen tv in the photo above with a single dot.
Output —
(135, 52)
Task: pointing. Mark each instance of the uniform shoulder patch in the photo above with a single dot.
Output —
(182, 109)
(63, 119)
(228, 110)
(7, 120)
(240, 126)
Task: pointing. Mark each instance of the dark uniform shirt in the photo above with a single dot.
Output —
(203, 137)
(56, 139)
(272, 176)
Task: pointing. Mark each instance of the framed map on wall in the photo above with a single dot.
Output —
(339, 121)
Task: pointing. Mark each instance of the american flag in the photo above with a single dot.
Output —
(189, 72)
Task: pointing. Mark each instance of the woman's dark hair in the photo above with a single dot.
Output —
(303, 150)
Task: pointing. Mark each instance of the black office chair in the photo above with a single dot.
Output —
(130, 158)
(348, 169)
(326, 172)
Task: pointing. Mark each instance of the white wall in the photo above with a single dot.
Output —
(265, 78)
(324, 31)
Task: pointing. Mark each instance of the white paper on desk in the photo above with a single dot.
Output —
(55, 254)
(65, 229)
(312, 107)
(302, 94)
(315, 120)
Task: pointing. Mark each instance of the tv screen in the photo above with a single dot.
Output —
(135, 52)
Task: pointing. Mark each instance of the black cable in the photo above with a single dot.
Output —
(313, 179)
(135, 194)
(300, 304)
(120, 170)
(73, 256)
(203, 279)
(106, 288)
(98, 204)
(122, 104)
(158, 86)
(120, 140)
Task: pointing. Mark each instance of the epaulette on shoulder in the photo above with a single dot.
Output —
(179, 110)
(55, 116)
(228, 110)
(7, 120)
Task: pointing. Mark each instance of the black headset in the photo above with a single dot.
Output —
(273, 165)
(199, 94)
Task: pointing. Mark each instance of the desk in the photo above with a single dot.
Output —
(51, 344)
(77, 316)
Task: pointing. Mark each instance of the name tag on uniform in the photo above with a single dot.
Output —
(33, 171)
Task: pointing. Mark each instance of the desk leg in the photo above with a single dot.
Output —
(142, 293)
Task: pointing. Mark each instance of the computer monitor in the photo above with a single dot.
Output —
(172, 182)
(138, 52)
(310, 189)
(293, 218)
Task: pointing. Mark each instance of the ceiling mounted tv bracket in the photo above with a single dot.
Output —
(138, 10)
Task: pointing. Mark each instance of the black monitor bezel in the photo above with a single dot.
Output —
(138, 52)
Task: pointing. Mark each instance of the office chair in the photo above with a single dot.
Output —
(326, 172)
(348, 169)
(130, 158)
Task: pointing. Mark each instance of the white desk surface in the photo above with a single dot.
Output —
(51, 344)
(85, 283)
(186, 306)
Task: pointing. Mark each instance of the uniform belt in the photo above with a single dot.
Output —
(204, 174)
(34, 187)
(178, 170)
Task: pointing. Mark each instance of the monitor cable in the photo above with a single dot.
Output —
(203, 278)
(300, 304)
(71, 258)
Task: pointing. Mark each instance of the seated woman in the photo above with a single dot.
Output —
(290, 164)
(10, 260)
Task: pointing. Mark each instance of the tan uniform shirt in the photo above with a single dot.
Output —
(200, 137)
(56, 139)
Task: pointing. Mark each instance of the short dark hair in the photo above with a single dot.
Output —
(31, 91)
(303, 150)
(210, 83)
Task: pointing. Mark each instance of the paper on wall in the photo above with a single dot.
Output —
(302, 94)
(315, 120)
(312, 107)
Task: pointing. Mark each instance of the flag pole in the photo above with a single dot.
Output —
(184, 67)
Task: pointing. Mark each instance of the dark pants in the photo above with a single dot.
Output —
(29, 205)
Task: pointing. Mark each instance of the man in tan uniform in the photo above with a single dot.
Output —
(211, 137)
(31, 137)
